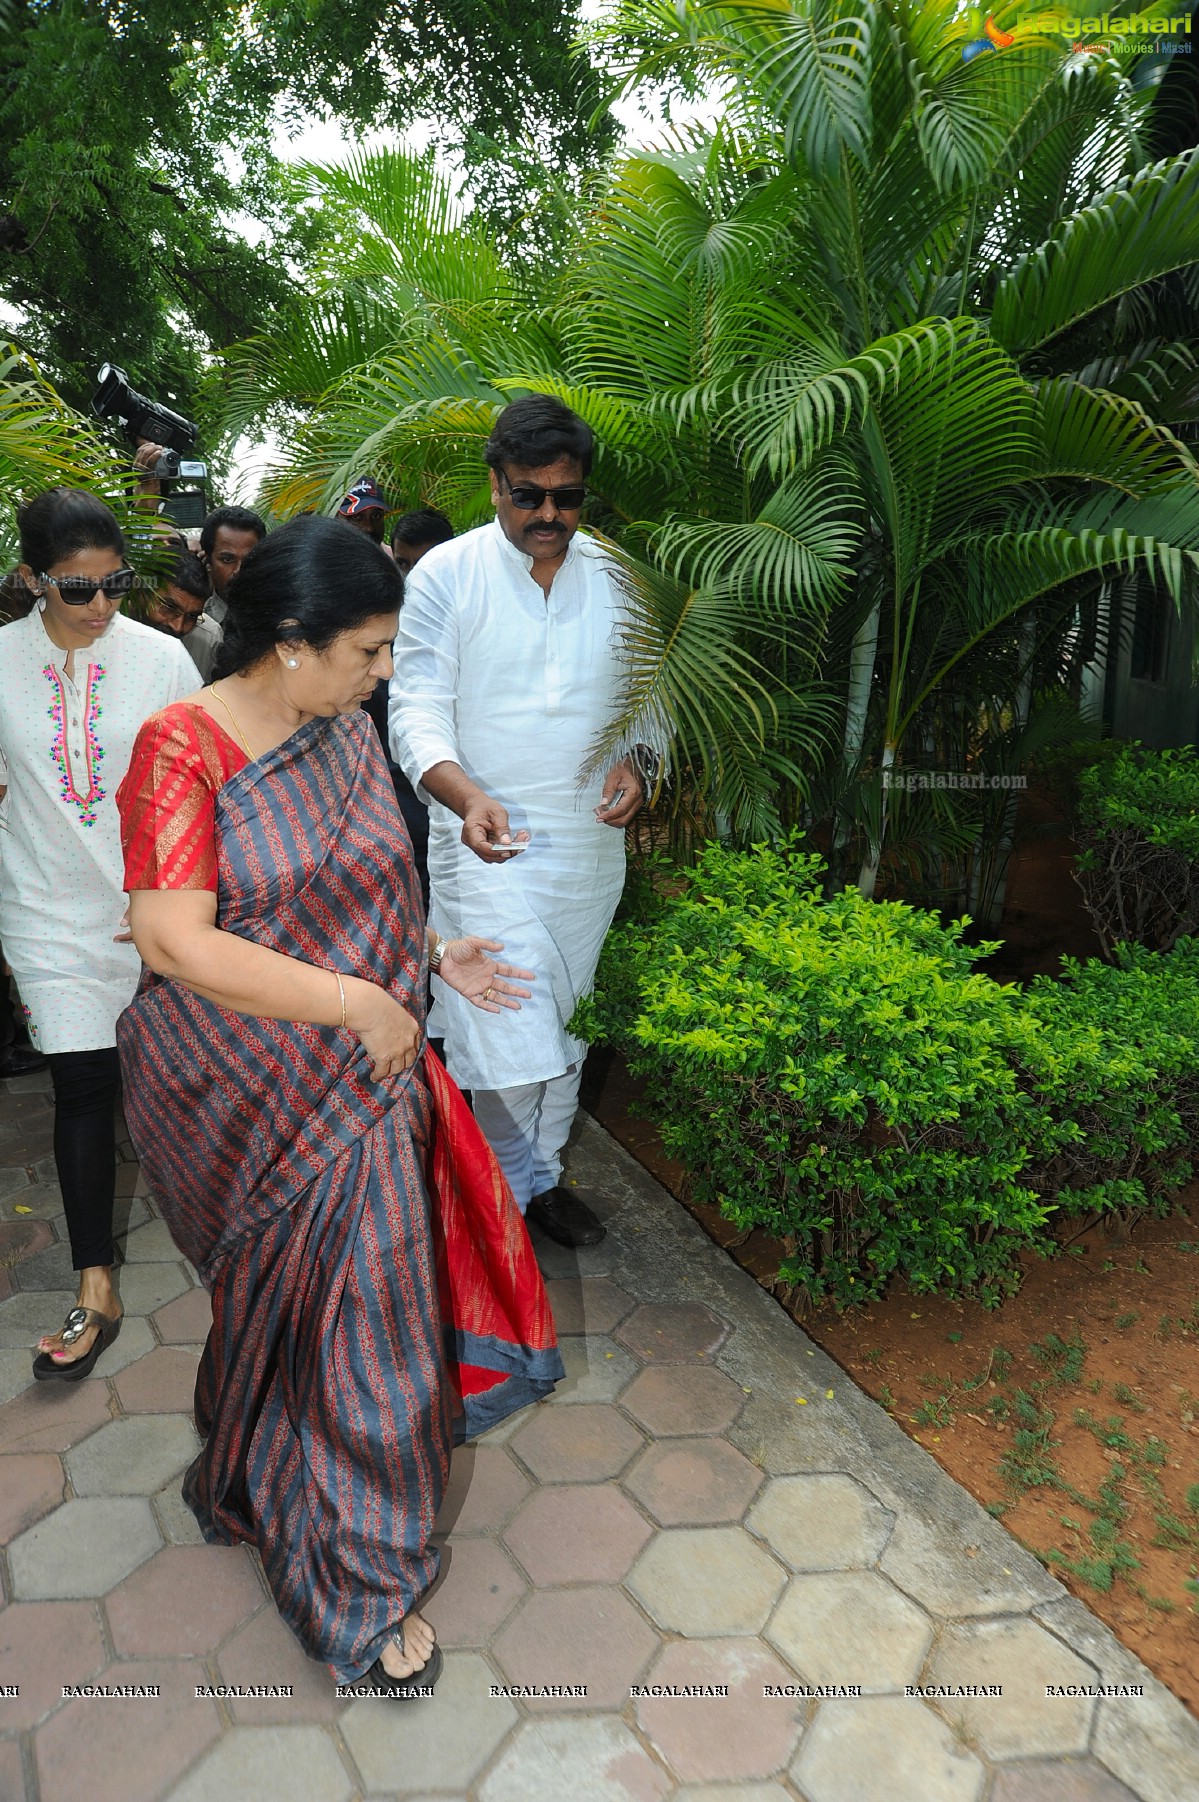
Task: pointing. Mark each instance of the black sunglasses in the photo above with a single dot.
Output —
(77, 591)
(528, 497)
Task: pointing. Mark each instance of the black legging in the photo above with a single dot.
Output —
(86, 1085)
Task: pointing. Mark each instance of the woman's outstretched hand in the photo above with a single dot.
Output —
(467, 965)
(388, 1033)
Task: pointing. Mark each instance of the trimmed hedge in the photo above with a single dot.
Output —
(1138, 836)
(838, 1073)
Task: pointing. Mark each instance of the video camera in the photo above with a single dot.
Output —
(145, 419)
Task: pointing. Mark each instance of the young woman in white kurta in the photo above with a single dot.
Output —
(76, 683)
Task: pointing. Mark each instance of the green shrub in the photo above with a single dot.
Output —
(838, 1073)
(1138, 836)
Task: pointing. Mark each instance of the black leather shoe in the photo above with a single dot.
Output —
(21, 1060)
(565, 1218)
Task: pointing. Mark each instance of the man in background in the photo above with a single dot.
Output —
(178, 608)
(413, 534)
(226, 539)
(364, 508)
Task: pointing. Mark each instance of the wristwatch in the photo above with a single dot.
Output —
(436, 955)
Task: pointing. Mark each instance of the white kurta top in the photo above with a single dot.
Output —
(492, 675)
(67, 745)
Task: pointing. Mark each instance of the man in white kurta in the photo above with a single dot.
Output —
(507, 666)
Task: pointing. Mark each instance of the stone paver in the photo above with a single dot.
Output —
(589, 1304)
(742, 1734)
(267, 1653)
(577, 1533)
(12, 1780)
(577, 1445)
(597, 1370)
(1058, 1780)
(48, 1269)
(178, 1524)
(132, 1457)
(184, 1601)
(884, 1746)
(670, 1523)
(185, 1321)
(49, 1417)
(592, 1637)
(693, 1482)
(42, 1646)
(31, 1484)
(589, 1760)
(1024, 1660)
(147, 1287)
(272, 1764)
(733, 1792)
(103, 1751)
(706, 1580)
(28, 1314)
(672, 1400)
(850, 1627)
(673, 1332)
(477, 1590)
(439, 1743)
(820, 1522)
(485, 1487)
(83, 1548)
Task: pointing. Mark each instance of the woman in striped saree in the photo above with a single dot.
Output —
(374, 1292)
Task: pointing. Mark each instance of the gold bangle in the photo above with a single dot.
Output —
(341, 989)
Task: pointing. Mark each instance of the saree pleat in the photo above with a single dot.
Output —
(357, 1327)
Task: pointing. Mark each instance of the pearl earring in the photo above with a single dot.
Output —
(293, 663)
(41, 603)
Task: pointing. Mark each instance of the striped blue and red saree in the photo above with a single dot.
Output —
(374, 1291)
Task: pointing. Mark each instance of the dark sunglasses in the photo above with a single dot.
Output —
(528, 497)
(77, 591)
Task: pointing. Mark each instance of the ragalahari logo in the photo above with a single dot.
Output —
(1134, 34)
(992, 39)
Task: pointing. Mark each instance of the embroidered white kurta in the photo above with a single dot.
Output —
(514, 686)
(66, 745)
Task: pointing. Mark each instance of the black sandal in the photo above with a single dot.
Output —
(417, 1683)
(47, 1370)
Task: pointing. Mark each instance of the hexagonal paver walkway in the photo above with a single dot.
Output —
(666, 1582)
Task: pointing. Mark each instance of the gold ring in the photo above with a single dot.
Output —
(487, 992)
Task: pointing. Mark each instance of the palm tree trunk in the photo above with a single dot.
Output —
(857, 710)
(993, 903)
(868, 874)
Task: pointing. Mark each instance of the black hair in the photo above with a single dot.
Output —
(425, 526)
(56, 524)
(306, 583)
(185, 571)
(537, 430)
(237, 519)
(16, 600)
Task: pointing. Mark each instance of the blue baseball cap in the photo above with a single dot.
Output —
(363, 496)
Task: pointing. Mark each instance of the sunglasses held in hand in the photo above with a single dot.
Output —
(77, 591)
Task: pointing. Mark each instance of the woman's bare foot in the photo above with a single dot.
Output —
(95, 1291)
(419, 1640)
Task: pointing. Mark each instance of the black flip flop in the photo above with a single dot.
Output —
(47, 1370)
(411, 1688)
